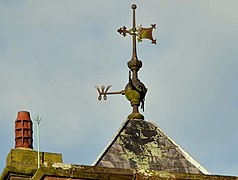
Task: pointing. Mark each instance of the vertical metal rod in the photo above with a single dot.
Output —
(134, 54)
(38, 144)
(38, 120)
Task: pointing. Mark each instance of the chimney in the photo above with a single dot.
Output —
(23, 130)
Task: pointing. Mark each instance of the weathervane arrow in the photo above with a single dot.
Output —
(135, 90)
(104, 92)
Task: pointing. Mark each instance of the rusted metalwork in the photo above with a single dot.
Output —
(23, 130)
(103, 92)
(135, 90)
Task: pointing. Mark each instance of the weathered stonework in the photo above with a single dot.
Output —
(60, 171)
(22, 163)
(70, 171)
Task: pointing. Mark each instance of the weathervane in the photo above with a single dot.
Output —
(135, 90)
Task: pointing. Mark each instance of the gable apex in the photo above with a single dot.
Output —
(140, 144)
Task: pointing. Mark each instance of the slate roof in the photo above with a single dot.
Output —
(143, 145)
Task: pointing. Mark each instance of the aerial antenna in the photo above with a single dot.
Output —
(135, 90)
(38, 119)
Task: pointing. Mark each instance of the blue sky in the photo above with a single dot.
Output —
(53, 53)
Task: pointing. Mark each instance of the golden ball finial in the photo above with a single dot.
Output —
(133, 6)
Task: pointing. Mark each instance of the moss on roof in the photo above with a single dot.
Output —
(142, 145)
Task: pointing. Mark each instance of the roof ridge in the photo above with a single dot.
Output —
(114, 138)
(185, 153)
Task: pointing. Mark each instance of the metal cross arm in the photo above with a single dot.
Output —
(104, 92)
(140, 32)
(123, 30)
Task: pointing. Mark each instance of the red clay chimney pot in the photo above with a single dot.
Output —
(23, 130)
(23, 115)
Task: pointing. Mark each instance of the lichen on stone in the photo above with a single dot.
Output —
(62, 166)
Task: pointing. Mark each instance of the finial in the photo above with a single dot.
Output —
(133, 6)
(135, 90)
